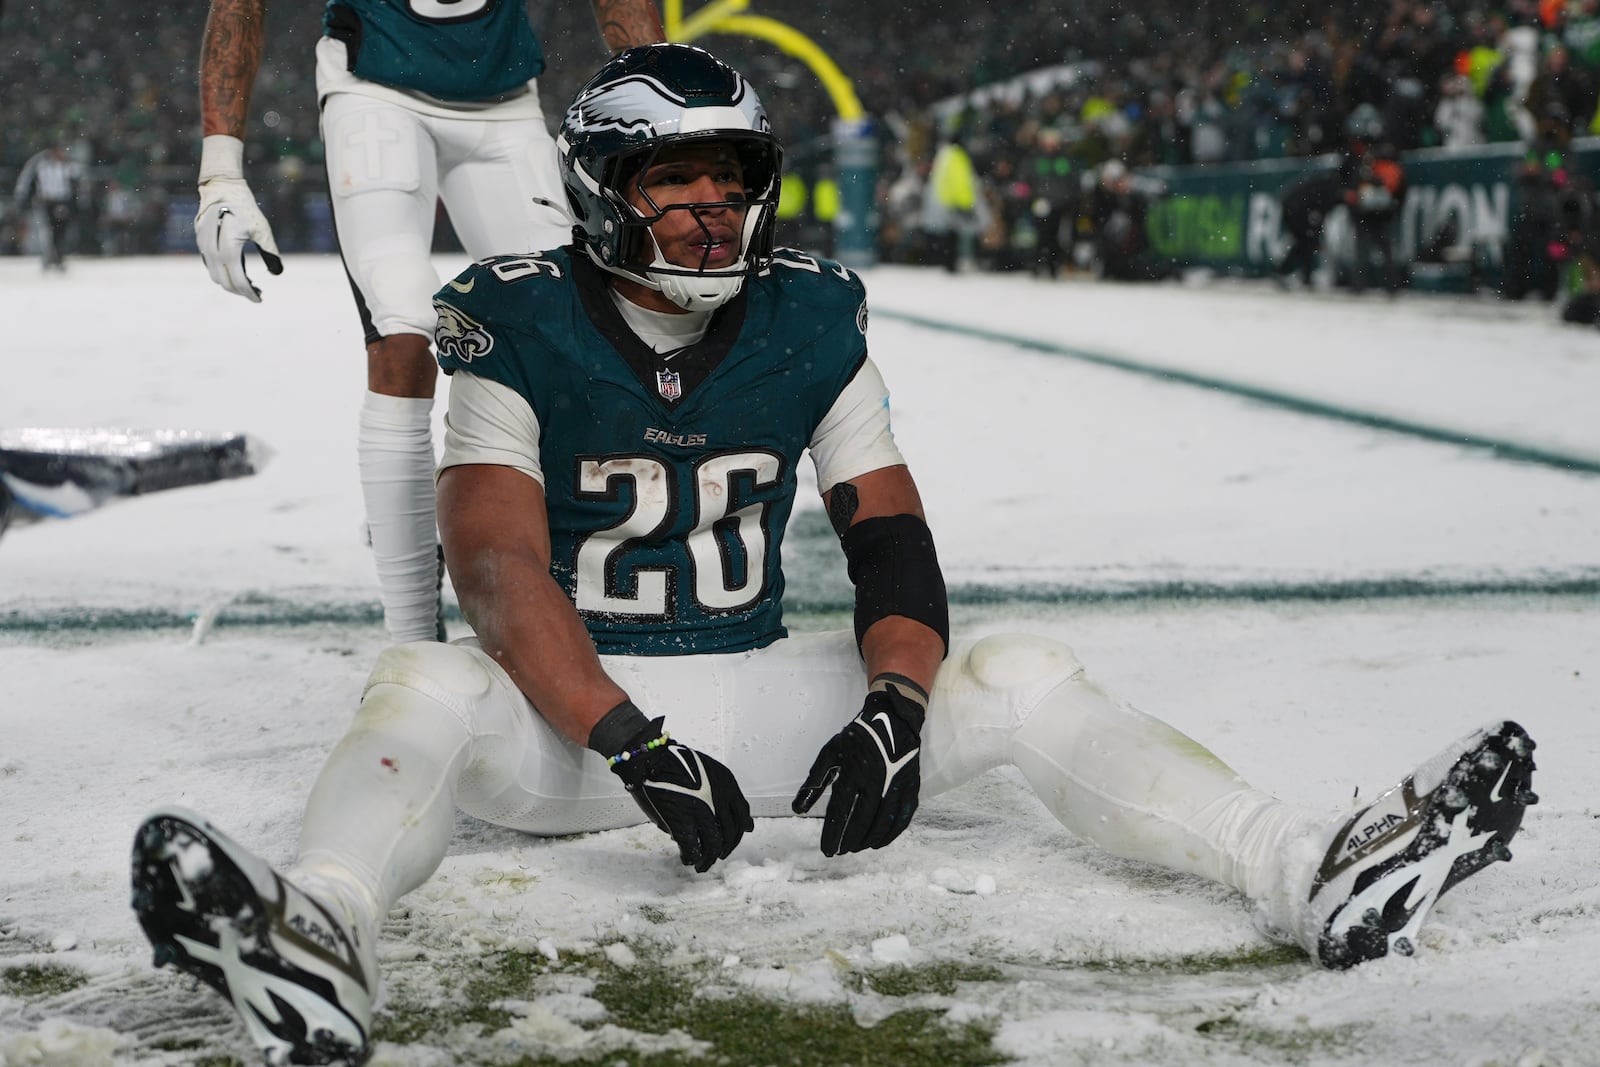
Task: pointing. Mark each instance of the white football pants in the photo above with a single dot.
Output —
(442, 727)
(388, 168)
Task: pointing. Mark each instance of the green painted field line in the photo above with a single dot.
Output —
(260, 612)
(1499, 447)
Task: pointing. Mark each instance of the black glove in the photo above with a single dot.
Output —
(874, 767)
(687, 793)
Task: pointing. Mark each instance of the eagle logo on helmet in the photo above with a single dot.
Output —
(459, 336)
(634, 105)
(622, 106)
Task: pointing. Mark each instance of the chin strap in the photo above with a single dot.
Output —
(689, 289)
(700, 291)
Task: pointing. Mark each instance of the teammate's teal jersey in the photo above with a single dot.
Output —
(450, 49)
(668, 480)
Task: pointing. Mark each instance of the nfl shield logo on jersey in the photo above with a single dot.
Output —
(669, 384)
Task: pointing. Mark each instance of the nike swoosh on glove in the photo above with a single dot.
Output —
(227, 221)
(689, 795)
(875, 769)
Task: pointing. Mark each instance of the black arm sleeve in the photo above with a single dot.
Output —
(895, 570)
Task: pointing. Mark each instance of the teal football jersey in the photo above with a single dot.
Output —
(668, 480)
(450, 49)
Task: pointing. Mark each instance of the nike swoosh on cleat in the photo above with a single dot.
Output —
(1495, 794)
(458, 287)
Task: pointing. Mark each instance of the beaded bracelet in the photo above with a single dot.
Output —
(641, 750)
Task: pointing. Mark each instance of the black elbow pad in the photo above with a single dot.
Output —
(895, 570)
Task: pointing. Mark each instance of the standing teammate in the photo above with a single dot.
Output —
(421, 100)
(627, 419)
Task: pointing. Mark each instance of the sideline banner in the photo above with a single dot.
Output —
(1226, 216)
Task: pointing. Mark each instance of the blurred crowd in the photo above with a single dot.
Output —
(1361, 82)
(1046, 112)
(115, 86)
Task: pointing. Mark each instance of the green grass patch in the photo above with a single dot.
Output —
(206, 1060)
(1202, 963)
(407, 1022)
(41, 980)
(743, 1029)
(654, 914)
(937, 978)
(746, 1029)
(1299, 1045)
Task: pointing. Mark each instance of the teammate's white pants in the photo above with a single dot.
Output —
(388, 167)
(442, 727)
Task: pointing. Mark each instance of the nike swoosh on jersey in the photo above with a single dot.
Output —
(458, 287)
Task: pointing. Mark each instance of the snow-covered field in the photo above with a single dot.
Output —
(1156, 526)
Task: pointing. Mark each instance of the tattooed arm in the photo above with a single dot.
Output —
(229, 219)
(230, 56)
(627, 23)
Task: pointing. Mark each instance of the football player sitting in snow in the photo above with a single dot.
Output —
(626, 424)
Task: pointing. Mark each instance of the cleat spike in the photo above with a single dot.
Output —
(163, 955)
(1527, 796)
(1403, 946)
(1372, 917)
(1499, 851)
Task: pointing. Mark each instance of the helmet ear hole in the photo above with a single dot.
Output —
(580, 209)
(631, 240)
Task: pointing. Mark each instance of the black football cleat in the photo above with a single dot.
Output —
(294, 972)
(1388, 864)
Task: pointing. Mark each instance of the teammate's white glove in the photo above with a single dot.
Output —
(875, 768)
(229, 218)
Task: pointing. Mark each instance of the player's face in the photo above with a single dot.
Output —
(708, 174)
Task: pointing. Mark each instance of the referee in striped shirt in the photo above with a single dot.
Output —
(51, 183)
